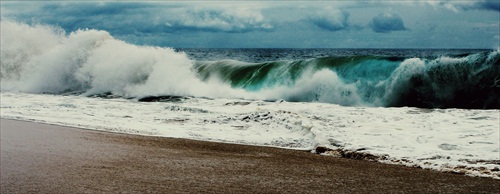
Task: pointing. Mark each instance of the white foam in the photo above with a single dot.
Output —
(322, 86)
(38, 59)
(456, 140)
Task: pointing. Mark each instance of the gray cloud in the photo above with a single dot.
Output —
(387, 22)
(228, 20)
(122, 18)
(333, 20)
(455, 5)
(492, 5)
(273, 24)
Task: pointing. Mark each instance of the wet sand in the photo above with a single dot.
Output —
(54, 159)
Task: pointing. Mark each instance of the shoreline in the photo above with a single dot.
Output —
(403, 136)
(46, 158)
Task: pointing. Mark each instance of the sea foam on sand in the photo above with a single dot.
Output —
(450, 140)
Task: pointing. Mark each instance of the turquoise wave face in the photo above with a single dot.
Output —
(469, 81)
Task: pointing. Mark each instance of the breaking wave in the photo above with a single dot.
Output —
(471, 81)
(43, 59)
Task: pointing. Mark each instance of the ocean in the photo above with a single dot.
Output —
(426, 78)
(427, 108)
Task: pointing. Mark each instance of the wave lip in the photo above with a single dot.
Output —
(448, 82)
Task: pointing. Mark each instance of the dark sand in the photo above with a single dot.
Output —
(44, 158)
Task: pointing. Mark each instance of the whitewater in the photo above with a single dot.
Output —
(430, 109)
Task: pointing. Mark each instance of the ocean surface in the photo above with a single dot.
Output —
(359, 77)
(428, 108)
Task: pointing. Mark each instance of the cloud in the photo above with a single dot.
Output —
(115, 17)
(491, 5)
(123, 18)
(455, 5)
(473, 5)
(225, 20)
(333, 20)
(387, 22)
(271, 23)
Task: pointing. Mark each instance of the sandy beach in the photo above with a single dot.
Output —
(45, 158)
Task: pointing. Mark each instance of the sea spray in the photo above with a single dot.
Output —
(93, 62)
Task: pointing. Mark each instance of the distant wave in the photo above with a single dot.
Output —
(44, 59)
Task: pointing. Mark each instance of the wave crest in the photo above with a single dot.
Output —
(43, 59)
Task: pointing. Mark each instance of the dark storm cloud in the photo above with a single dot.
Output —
(117, 18)
(290, 24)
(83, 9)
(121, 18)
(488, 5)
(387, 22)
(492, 5)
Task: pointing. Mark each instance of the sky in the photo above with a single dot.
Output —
(275, 24)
